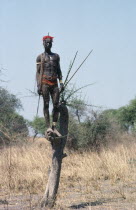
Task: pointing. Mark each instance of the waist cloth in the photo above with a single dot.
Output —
(49, 80)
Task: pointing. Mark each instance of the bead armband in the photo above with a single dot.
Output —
(60, 81)
(38, 63)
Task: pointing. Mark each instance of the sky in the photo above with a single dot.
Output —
(106, 26)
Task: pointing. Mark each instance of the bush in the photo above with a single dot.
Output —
(10, 121)
(39, 125)
(89, 134)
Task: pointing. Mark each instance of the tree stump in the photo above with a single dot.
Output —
(58, 141)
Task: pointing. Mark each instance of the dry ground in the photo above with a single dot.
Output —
(88, 180)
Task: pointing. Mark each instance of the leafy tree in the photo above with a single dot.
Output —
(78, 108)
(125, 116)
(39, 124)
(132, 111)
(95, 128)
(10, 120)
(8, 104)
(17, 124)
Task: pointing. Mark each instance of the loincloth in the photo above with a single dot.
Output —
(49, 80)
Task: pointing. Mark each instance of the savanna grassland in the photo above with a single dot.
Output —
(89, 180)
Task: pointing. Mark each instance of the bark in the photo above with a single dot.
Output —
(58, 145)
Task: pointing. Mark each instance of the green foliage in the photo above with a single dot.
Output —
(110, 113)
(90, 133)
(9, 118)
(125, 116)
(131, 109)
(98, 126)
(39, 125)
(73, 132)
(77, 108)
(8, 102)
(17, 124)
(8, 105)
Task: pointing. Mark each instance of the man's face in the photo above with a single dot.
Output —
(47, 43)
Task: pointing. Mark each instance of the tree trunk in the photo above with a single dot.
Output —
(58, 145)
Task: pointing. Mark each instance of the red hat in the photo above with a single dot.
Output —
(48, 37)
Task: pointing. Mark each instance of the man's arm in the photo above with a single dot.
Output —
(60, 75)
(38, 70)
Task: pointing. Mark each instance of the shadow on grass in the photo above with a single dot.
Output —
(3, 202)
(83, 205)
(95, 203)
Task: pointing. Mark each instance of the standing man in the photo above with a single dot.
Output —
(48, 71)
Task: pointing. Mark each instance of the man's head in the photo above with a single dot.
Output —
(47, 42)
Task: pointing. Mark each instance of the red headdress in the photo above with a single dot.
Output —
(48, 37)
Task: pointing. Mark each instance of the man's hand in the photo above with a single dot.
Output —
(39, 91)
(61, 87)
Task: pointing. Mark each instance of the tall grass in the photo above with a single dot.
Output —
(25, 167)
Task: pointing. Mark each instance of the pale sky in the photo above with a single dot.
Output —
(106, 26)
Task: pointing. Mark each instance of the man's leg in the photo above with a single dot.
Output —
(46, 99)
(55, 100)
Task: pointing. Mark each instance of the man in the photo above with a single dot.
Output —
(48, 71)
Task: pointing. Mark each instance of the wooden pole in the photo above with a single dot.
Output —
(58, 145)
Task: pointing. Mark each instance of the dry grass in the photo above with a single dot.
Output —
(25, 169)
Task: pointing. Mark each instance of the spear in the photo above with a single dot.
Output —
(78, 68)
(70, 67)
